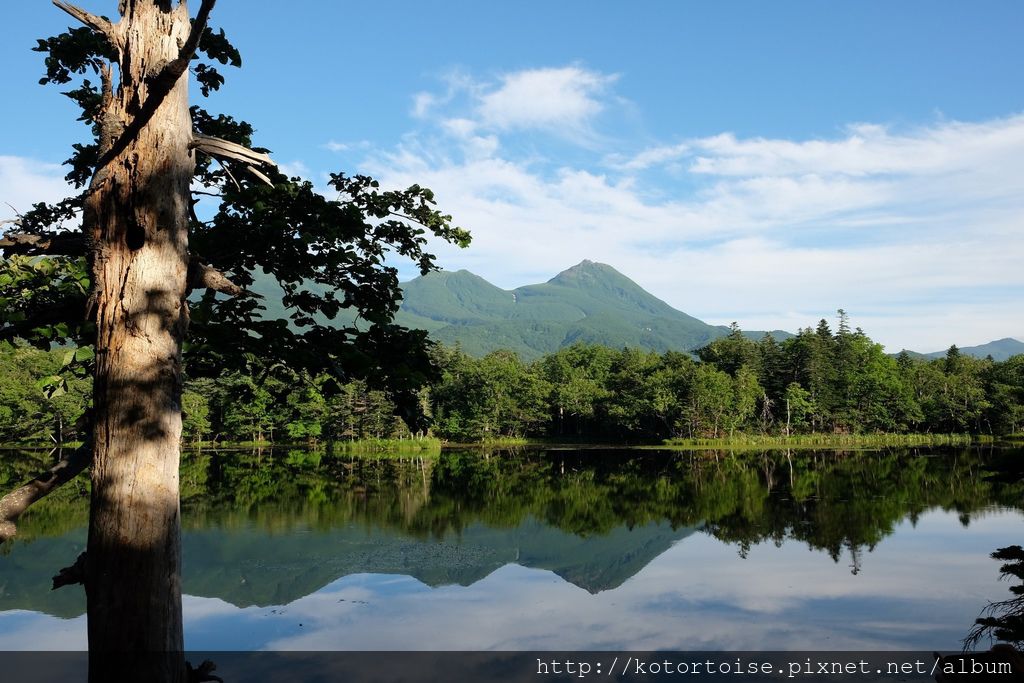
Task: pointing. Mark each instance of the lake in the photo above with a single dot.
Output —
(567, 549)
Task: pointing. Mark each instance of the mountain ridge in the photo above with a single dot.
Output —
(589, 302)
(999, 349)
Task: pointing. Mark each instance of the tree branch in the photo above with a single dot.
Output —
(17, 501)
(71, 575)
(175, 69)
(58, 244)
(98, 24)
(223, 149)
(202, 276)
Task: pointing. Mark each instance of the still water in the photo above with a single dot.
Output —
(576, 549)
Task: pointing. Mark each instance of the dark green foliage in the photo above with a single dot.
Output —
(331, 260)
(37, 405)
(732, 352)
(42, 300)
(577, 378)
(495, 396)
(215, 46)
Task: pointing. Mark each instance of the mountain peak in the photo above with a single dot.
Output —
(585, 272)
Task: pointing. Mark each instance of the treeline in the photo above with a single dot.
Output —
(266, 403)
(818, 381)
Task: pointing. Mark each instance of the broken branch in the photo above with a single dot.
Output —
(216, 147)
(223, 149)
(98, 24)
(203, 276)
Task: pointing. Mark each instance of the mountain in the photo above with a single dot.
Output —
(1001, 349)
(589, 303)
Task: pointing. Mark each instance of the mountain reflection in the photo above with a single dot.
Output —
(269, 528)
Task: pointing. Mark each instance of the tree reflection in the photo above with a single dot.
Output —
(1004, 620)
(840, 503)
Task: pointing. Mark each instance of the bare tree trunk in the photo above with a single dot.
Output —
(137, 218)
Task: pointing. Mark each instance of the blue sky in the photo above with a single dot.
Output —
(752, 161)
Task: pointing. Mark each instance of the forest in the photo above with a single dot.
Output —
(819, 381)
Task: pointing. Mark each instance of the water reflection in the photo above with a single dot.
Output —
(563, 549)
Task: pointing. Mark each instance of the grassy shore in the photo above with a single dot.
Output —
(753, 441)
(389, 446)
(828, 440)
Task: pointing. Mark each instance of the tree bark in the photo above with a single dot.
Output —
(137, 216)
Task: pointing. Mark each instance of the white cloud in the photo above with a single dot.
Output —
(339, 147)
(560, 101)
(867, 150)
(553, 98)
(456, 84)
(652, 156)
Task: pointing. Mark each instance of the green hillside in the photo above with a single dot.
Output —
(588, 303)
(1000, 350)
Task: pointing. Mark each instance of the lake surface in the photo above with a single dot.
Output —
(595, 549)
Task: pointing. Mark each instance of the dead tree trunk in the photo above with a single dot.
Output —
(136, 217)
(135, 223)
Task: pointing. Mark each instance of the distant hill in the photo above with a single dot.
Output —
(589, 303)
(1001, 349)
